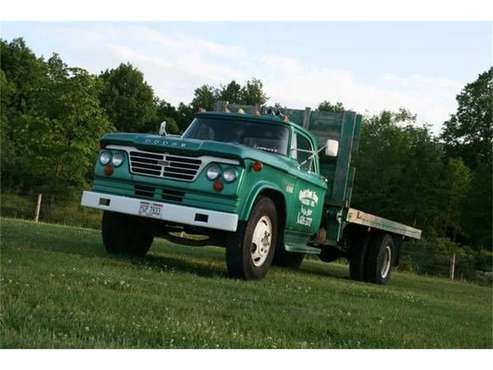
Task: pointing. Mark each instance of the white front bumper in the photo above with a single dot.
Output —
(169, 212)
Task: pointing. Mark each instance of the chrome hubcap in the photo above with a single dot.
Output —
(261, 241)
(387, 262)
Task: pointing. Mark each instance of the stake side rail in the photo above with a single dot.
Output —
(355, 216)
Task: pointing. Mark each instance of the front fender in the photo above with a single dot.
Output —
(257, 188)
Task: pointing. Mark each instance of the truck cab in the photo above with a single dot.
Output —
(268, 189)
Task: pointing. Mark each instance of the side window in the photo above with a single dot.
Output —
(303, 152)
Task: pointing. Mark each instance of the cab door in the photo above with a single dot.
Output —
(307, 198)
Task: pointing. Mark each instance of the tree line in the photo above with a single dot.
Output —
(52, 116)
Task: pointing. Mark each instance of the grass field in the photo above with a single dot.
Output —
(60, 289)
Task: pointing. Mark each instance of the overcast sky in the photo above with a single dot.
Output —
(368, 66)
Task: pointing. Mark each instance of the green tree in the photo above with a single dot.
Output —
(7, 91)
(127, 99)
(468, 135)
(327, 106)
(252, 93)
(185, 114)
(52, 140)
(477, 218)
(232, 93)
(166, 112)
(9, 161)
(21, 77)
(204, 97)
(398, 169)
(64, 128)
(456, 182)
(24, 71)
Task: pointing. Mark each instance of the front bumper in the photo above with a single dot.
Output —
(169, 212)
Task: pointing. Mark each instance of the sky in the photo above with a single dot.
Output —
(368, 66)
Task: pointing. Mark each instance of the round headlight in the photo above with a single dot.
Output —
(117, 159)
(229, 175)
(105, 157)
(213, 172)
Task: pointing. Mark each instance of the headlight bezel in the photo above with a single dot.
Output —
(230, 171)
(109, 157)
(210, 174)
(120, 157)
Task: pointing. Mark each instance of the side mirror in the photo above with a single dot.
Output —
(162, 129)
(331, 148)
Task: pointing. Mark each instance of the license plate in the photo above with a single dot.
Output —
(150, 209)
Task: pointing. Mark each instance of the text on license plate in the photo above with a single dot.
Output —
(150, 209)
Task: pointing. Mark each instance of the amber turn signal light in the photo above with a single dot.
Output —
(257, 166)
(108, 170)
(218, 185)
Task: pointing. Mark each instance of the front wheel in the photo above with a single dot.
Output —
(125, 234)
(250, 249)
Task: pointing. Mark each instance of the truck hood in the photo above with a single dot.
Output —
(195, 148)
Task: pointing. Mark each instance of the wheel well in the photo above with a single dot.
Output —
(353, 232)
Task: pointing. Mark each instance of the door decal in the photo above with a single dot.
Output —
(308, 199)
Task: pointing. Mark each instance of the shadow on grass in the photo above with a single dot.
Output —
(324, 271)
(186, 264)
(193, 264)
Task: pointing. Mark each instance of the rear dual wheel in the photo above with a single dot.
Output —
(371, 258)
(379, 259)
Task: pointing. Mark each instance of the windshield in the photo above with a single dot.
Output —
(270, 137)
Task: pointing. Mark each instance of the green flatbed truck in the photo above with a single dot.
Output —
(270, 188)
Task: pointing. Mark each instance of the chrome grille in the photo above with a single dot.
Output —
(164, 165)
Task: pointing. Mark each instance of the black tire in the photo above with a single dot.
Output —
(239, 259)
(378, 266)
(125, 234)
(357, 256)
(284, 258)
